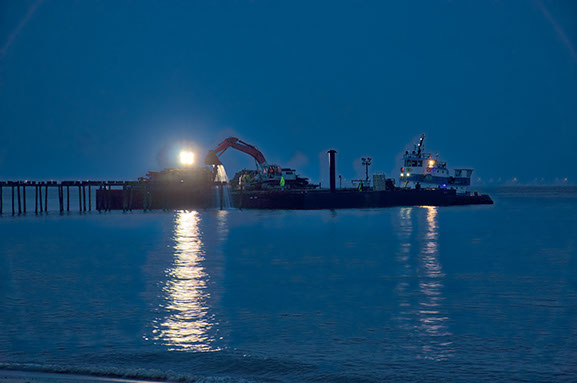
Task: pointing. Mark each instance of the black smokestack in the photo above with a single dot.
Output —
(332, 167)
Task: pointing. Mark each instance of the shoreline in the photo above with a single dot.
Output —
(21, 376)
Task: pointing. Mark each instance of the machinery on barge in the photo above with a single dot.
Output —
(265, 176)
(421, 170)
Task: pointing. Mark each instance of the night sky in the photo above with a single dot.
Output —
(112, 89)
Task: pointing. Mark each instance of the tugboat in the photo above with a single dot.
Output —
(421, 170)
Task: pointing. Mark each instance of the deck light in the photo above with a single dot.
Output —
(186, 158)
(431, 163)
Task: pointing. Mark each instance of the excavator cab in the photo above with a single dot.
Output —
(271, 171)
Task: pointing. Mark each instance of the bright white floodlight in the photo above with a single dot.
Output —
(186, 158)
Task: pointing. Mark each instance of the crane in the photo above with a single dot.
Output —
(267, 176)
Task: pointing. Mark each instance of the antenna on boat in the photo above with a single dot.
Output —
(420, 146)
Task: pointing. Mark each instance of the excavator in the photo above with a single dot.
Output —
(265, 177)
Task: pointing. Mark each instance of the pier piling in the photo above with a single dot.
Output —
(60, 198)
(19, 200)
(12, 199)
(40, 197)
(46, 197)
(84, 197)
(24, 196)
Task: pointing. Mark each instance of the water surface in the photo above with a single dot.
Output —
(478, 293)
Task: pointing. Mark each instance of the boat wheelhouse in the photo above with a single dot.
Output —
(422, 170)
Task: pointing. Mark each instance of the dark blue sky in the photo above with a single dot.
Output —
(110, 89)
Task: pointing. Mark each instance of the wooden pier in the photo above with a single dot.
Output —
(108, 195)
(18, 193)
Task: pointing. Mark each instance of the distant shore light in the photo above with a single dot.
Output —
(186, 158)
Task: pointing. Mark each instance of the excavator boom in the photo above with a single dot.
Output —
(266, 176)
(233, 142)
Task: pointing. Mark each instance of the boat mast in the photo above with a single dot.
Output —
(420, 145)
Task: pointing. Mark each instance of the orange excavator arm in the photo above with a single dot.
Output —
(233, 142)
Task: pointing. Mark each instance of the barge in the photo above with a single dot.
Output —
(353, 199)
(274, 187)
(150, 196)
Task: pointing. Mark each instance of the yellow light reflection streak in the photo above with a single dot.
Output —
(433, 322)
(406, 230)
(420, 290)
(188, 323)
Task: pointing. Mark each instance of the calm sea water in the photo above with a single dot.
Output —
(478, 293)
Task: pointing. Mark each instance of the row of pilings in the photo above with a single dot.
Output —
(16, 193)
(104, 195)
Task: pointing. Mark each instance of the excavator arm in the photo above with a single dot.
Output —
(266, 176)
(233, 142)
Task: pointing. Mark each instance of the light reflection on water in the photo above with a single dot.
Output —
(189, 325)
(421, 305)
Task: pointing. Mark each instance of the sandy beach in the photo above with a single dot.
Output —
(46, 377)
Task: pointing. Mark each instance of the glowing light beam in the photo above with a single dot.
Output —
(560, 32)
(186, 158)
(19, 28)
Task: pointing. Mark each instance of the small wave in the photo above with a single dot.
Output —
(122, 373)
